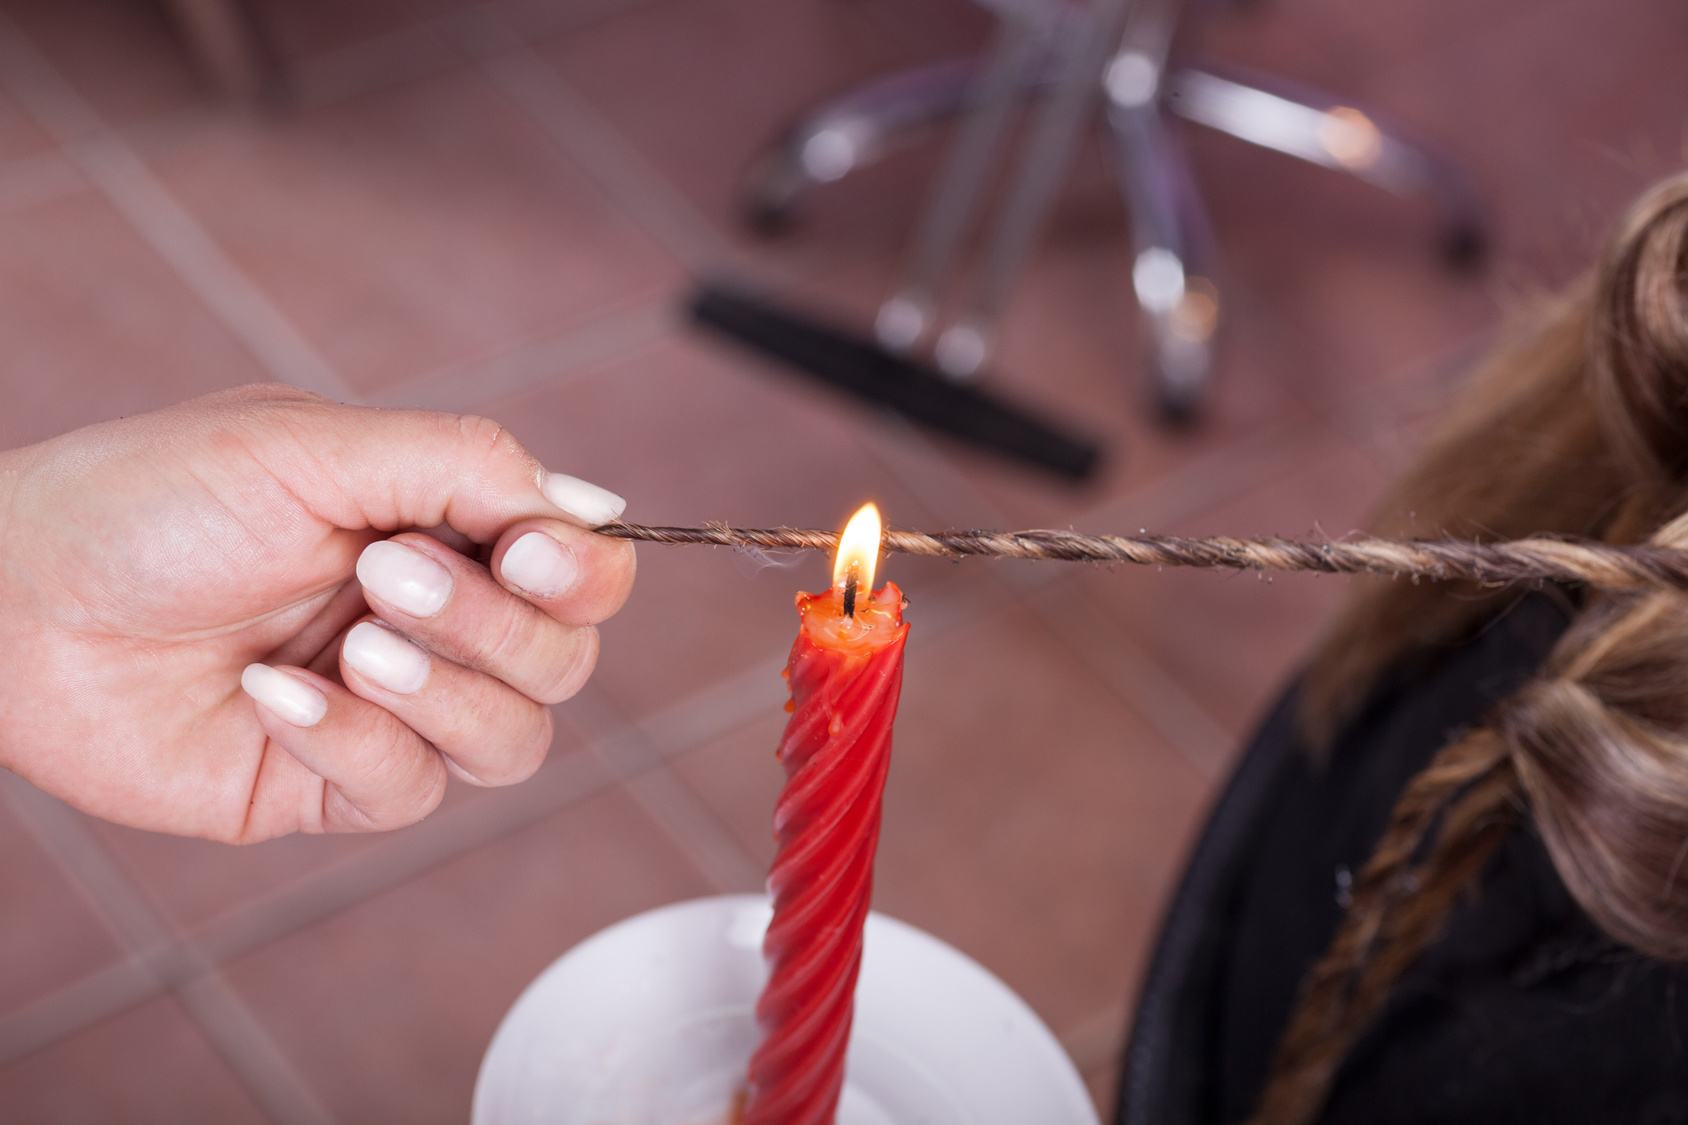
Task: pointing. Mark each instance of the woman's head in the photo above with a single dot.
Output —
(1582, 430)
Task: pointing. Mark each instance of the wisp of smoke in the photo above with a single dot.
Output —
(754, 560)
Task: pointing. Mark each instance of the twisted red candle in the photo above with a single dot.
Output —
(846, 672)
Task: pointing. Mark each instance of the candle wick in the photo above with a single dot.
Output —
(851, 579)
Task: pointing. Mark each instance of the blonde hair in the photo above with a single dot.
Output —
(1582, 429)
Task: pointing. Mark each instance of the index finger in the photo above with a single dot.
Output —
(358, 467)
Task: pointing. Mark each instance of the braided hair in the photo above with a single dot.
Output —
(1581, 430)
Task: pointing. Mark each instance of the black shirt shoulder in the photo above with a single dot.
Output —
(1521, 1010)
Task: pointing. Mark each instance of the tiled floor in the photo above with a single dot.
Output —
(497, 208)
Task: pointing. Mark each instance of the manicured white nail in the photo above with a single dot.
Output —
(385, 657)
(291, 699)
(404, 578)
(588, 503)
(540, 565)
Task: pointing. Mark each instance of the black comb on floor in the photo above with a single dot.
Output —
(917, 392)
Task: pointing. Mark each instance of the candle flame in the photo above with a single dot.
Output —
(858, 547)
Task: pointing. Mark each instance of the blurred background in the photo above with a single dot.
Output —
(502, 208)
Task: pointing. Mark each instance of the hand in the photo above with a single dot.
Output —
(146, 563)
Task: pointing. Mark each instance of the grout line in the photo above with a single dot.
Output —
(546, 362)
(225, 1021)
(667, 798)
(438, 840)
(370, 65)
(106, 992)
(115, 899)
(714, 711)
(189, 250)
(595, 146)
(160, 219)
(420, 50)
(31, 181)
(243, 1041)
(656, 739)
(1134, 677)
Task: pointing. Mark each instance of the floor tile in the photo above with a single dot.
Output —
(387, 1009)
(1231, 639)
(1030, 819)
(147, 1066)
(416, 228)
(43, 177)
(740, 778)
(194, 882)
(1562, 133)
(126, 59)
(203, 888)
(298, 30)
(96, 325)
(52, 936)
(1103, 1084)
(701, 88)
(20, 136)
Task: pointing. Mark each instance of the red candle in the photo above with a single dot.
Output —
(846, 672)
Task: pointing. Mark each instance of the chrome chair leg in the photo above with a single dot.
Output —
(904, 318)
(858, 128)
(1176, 293)
(1340, 137)
(1045, 46)
(1059, 125)
(1177, 300)
(852, 132)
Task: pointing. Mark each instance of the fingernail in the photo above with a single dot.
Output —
(385, 657)
(292, 699)
(540, 565)
(588, 503)
(404, 578)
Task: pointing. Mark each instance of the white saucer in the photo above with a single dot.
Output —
(649, 1022)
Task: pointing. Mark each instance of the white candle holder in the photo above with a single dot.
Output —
(650, 1022)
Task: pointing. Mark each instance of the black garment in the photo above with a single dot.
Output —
(1522, 1010)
